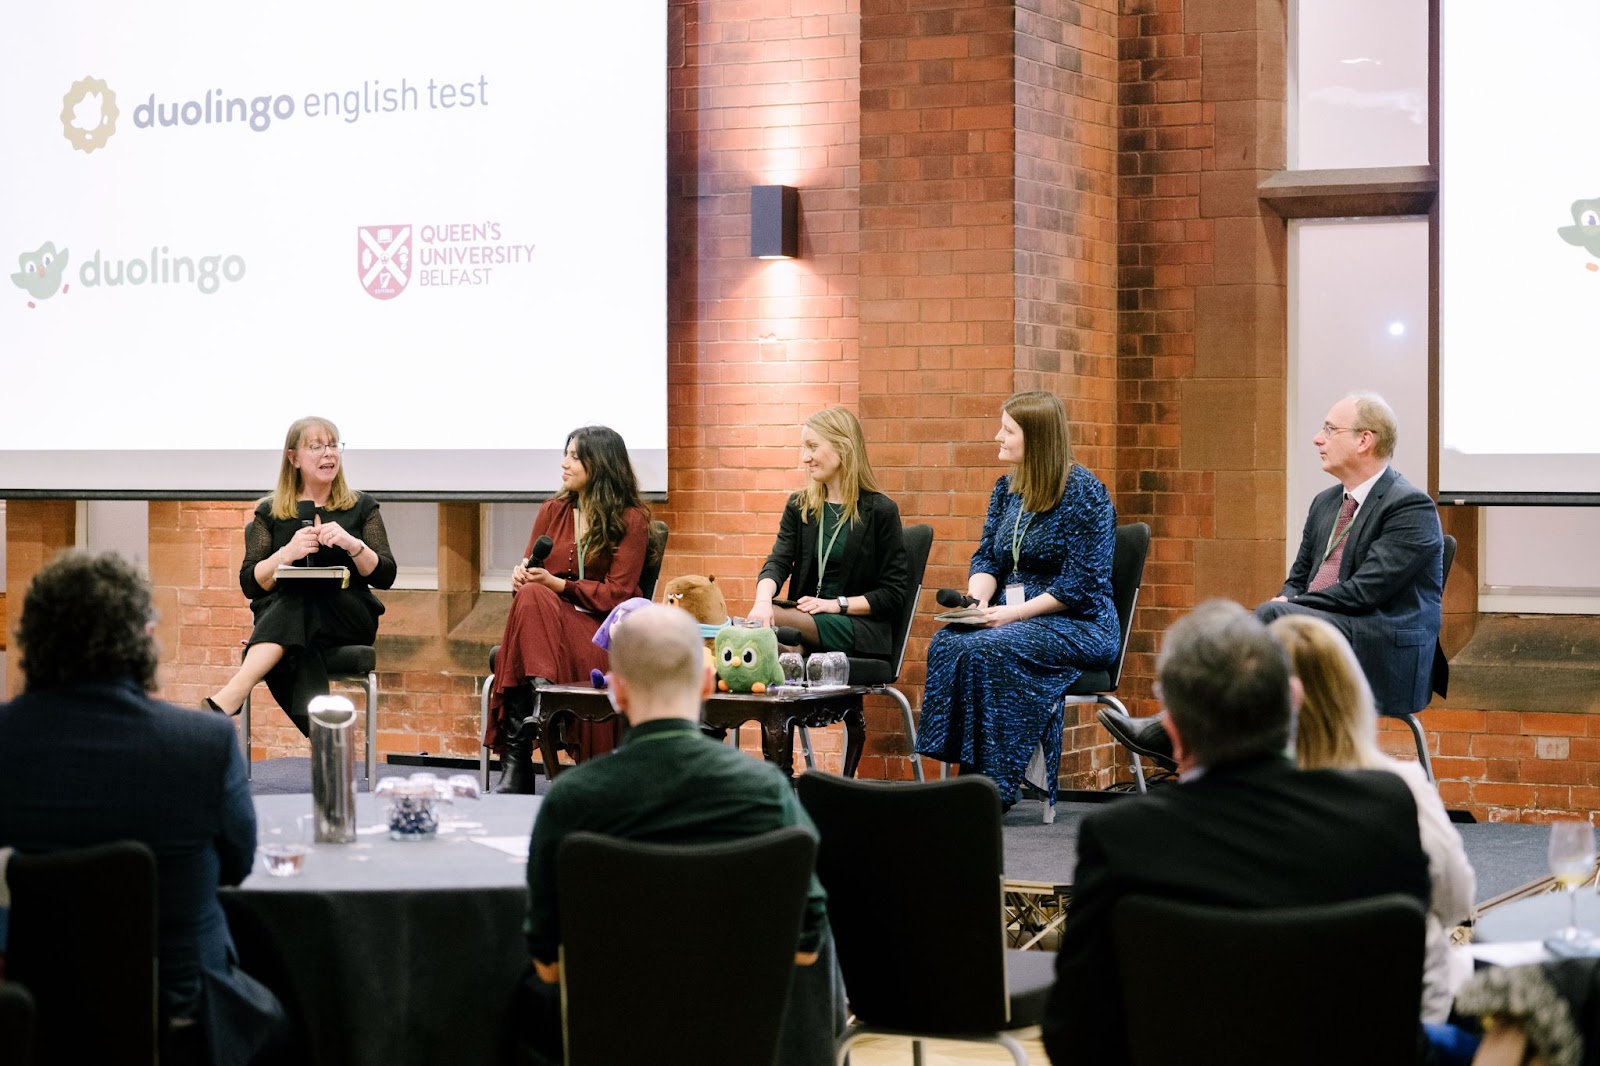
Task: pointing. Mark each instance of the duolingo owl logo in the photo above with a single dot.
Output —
(89, 114)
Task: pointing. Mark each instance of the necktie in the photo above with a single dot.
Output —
(1328, 572)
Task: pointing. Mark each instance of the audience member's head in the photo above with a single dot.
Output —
(1226, 686)
(87, 617)
(1338, 724)
(658, 665)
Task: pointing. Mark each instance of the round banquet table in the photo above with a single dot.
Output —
(388, 952)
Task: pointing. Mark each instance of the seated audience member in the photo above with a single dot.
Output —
(139, 770)
(1244, 829)
(1338, 730)
(1042, 574)
(666, 784)
(1371, 564)
(596, 534)
(839, 548)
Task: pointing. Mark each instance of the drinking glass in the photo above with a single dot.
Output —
(828, 669)
(793, 665)
(284, 844)
(1572, 856)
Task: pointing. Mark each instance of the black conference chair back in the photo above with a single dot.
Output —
(83, 942)
(918, 540)
(913, 877)
(17, 1022)
(1332, 984)
(1128, 554)
(679, 952)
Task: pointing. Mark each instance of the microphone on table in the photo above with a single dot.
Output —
(954, 599)
(308, 514)
(788, 636)
(540, 552)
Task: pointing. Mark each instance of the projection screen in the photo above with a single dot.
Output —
(1519, 260)
(441, 226)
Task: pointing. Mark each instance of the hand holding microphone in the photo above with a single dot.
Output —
(536, 556)
(302, 547)
(954, 599)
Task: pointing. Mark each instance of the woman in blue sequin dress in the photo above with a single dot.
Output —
(1042, 574)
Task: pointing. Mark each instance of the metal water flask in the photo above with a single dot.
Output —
(333, 782)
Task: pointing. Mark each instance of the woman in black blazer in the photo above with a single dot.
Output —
(839, 547)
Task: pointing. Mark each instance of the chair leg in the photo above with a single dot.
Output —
(911, 727)
(244, 734)
(805, 746)
(916, 1053)
(483, 729)
(1422, 746)
(1138, 770)
(372, 724)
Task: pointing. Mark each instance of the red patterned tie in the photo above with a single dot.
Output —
(1328, 572)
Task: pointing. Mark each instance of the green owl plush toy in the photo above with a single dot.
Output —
(747, 659)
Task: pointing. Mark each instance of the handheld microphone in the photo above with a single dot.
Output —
(540, 552)
(954, 600)
(308, 514)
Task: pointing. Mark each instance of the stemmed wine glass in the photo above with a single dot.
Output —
(1572, 856)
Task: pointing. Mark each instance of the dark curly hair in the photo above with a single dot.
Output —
(84, 619)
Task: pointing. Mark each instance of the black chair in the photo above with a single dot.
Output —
(1128, 556)
(914, 898)
(655, 552)
(17, 1024)
(1441, 673)
(82, 941)
(1339, 983)
(355, 664)
(709, 981)
(879, 675)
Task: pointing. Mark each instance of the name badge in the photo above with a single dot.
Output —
(1016, 595)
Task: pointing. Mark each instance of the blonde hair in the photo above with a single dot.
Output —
(1338, 720)
(1041, 477)
(842, 431)
(284, 498)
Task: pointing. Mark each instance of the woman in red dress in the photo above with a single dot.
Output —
(599, 532)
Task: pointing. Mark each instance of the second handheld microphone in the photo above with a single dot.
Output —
(954, 599)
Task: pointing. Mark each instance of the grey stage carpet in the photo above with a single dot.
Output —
(1504, 856)
(273, 777)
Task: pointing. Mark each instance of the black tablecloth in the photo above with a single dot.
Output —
(387, 952)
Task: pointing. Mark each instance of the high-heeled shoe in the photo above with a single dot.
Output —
(209, 704)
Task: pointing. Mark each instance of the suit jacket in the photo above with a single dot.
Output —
(1387, 598)
(97, 762)
(875, 565)
(1254, 834)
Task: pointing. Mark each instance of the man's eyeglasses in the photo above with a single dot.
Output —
(1329, 429)
(318, 449)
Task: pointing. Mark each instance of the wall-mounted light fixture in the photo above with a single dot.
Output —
(774, 221)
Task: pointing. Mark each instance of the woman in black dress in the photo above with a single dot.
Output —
(312, 518)
(839, 547)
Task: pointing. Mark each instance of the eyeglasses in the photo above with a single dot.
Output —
(318, 449)
(1329, 429)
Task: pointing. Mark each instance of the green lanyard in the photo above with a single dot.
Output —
(1018, 531)
(822, 559)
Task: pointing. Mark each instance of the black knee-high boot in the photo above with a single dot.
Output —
(516, 762)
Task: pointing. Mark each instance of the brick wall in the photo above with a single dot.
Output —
(995, 196)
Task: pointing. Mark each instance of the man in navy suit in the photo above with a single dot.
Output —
(88, 757)
(1370, 562)
(1244, 829)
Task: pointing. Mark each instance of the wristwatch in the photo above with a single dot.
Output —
(844, 604)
